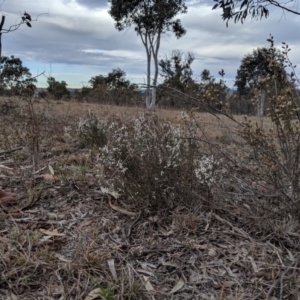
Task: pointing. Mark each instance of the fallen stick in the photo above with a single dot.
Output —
(11, 150)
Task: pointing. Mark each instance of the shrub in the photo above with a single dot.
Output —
(146, 159)
(57, 89)
(207, 170)
(92, 131)
(150, 162)
(276, 149)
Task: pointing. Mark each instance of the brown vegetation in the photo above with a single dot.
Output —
(70, 235)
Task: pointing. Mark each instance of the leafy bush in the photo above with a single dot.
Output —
(92, 131)
(57, 89)
(14, 77)
(277, 150)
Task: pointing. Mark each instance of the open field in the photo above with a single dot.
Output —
(66, 234)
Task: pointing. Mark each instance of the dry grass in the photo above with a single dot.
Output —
(63, 237)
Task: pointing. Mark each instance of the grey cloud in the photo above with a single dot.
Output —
(64, 36)
(94, 3)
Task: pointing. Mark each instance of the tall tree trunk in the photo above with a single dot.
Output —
(145, 37)
(155, 48)
(262, 101)
(1, 26)
(148, 90)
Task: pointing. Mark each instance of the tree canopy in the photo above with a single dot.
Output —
(113, 80)
(260, 71)
(57, 89)
(258, 65)
(14, 77)
(240, 10)
(176, 69)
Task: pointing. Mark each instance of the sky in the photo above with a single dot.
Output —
(74, 40)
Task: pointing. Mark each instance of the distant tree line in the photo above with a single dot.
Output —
(178, 88)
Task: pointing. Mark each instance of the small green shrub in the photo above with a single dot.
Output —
(92, 131)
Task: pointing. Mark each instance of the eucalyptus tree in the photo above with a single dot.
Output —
(57, 89)
(176, 70)
(258, 70)
(14, 77)
(151, 19)
(240, 10)
(113, 80)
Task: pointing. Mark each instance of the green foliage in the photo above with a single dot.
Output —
(92, 131)
(262, 66)
(57, 89)
(111, 88)
(14, 77)
(114, 80)
(178, 73)
(212, 92)
(148, 16)
(262, 62)
(176, 70)
(239, 11)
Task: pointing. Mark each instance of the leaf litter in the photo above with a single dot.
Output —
(67, 237)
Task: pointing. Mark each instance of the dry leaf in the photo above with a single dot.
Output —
(218, 218)
(121, 210)
(86, 223)
(51, 233)
(44, 239)
(145, 272)
(115, 194)
(205, 296)
(8, 197)
(212, 252)
(169, 264)
(197, 278)
(228, 284)
(291, 256)
(49, 177)
(13, 297)
(230, 273)
(51, 169)
(178, 286)
(253, 264)
(206, 227)
(62, 258)
(148, 285)
(96, 293)
(111, 264)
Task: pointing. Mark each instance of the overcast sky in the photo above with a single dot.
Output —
(76, 39)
